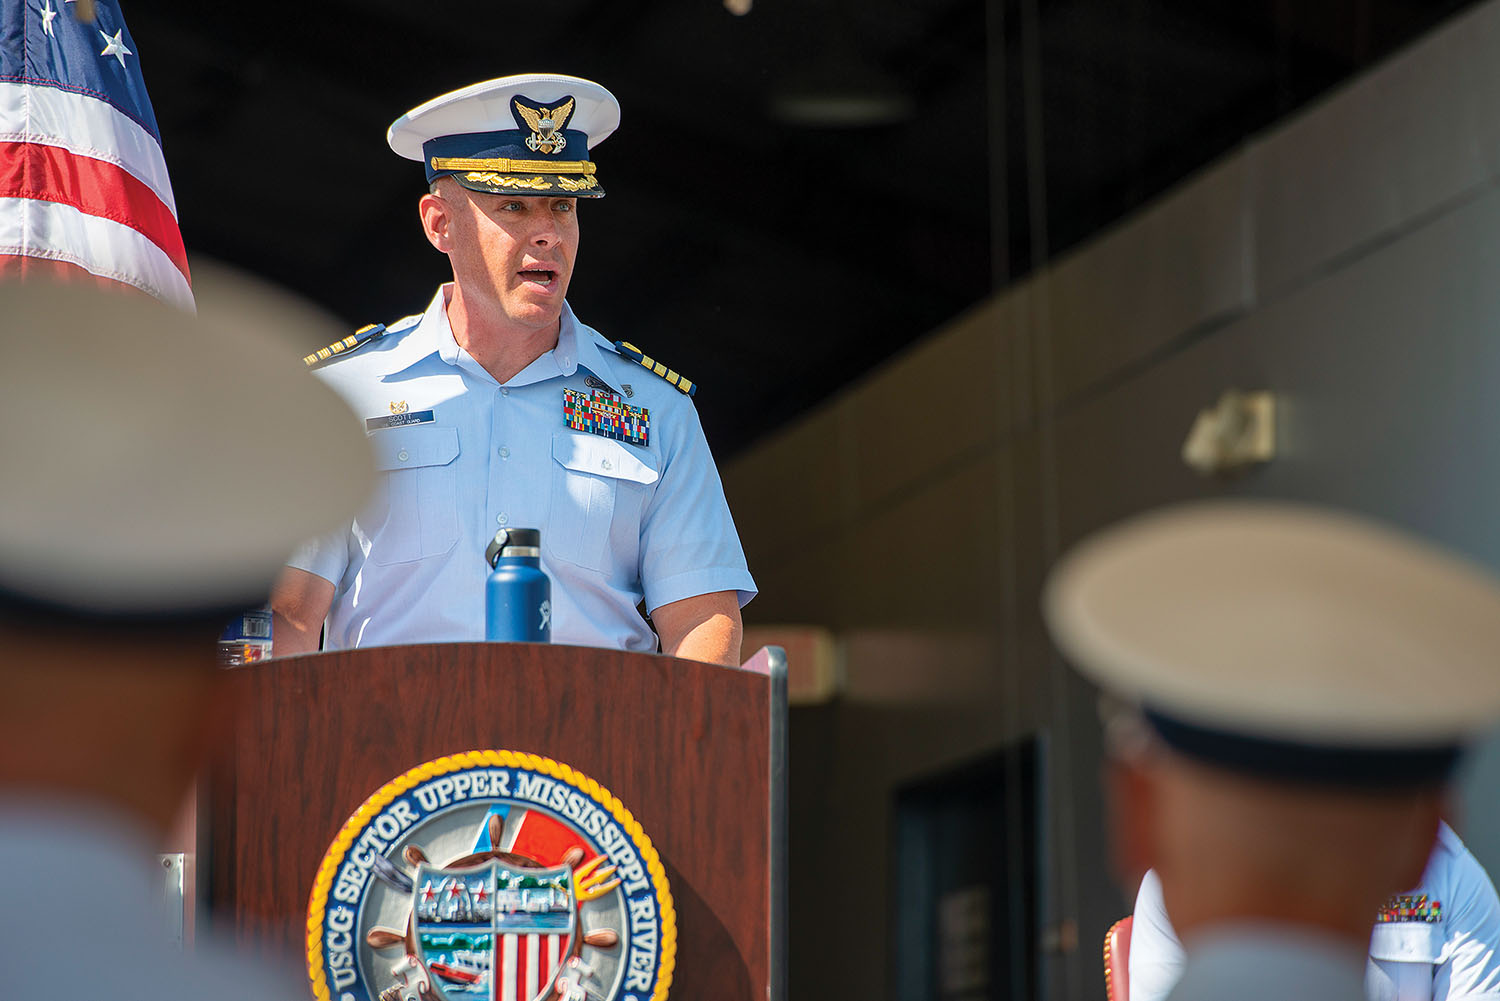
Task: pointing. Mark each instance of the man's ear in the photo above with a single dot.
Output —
(1130, 800)
(437, 217)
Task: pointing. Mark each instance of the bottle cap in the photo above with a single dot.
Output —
(514, 542)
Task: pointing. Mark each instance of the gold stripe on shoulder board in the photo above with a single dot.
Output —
(635, 354)
(359, 338)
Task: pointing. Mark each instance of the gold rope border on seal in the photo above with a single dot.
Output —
(505, 166)
(317, 902)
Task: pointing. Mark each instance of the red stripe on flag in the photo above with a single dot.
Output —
(50, 173)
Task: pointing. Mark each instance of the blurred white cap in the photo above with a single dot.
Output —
(1241, 625)
(159, 463)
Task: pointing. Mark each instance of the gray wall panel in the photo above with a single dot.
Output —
(1383, 152)
(1389, 369)
(945, 401)
(1177, 265)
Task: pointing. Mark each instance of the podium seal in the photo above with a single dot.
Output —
(491, 875)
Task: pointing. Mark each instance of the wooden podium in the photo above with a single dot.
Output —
(696, 752)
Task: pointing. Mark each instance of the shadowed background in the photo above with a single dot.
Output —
(794, 195)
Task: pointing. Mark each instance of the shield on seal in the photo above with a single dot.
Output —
(493, 931)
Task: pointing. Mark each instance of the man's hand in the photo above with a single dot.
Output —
(706, 627)
(299, 603)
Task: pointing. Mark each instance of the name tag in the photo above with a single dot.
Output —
(399, 420)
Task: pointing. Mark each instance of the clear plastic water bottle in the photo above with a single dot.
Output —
(518, 594)
(247, 639)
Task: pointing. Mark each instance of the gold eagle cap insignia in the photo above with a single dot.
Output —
(546, 125)
(398, 408)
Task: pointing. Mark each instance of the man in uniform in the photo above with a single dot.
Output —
(157, 472)
(497, 407)
(1439, 941)
(1303, 684)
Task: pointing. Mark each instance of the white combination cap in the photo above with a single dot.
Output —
(156, 463)
(1282, 637)
(526, 135)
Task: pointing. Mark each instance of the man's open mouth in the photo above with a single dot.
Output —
(541, 277)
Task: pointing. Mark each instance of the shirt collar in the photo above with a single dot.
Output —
(576, 347)
(435, 324)
(587, 352)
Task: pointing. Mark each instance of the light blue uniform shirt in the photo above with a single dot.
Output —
(1444, 960)
(82, 915)
(463, 456)
(1267, 962)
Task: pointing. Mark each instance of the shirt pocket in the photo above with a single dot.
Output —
(417, 510)
(1407, 941)
(597, 483)
(1403, 956)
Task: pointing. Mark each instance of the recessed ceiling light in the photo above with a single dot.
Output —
(849, 110)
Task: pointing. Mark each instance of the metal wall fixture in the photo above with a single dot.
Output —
(173, 900)
(1233, 435)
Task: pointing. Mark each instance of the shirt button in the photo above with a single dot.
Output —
(606, 464)
(505, 453)
(402, 455)
(504, 391)
(502, 518)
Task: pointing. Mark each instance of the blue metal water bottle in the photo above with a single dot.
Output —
(517, 595)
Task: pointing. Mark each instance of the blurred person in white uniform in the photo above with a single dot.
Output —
(1437, 942)
(158, 470)
(1298, 686)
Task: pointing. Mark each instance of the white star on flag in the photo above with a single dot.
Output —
(116, 47)
(47, 15)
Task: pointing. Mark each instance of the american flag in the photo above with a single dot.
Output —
(82, 181)
(528, 965)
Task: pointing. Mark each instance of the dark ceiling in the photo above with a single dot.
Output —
(768, 257)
